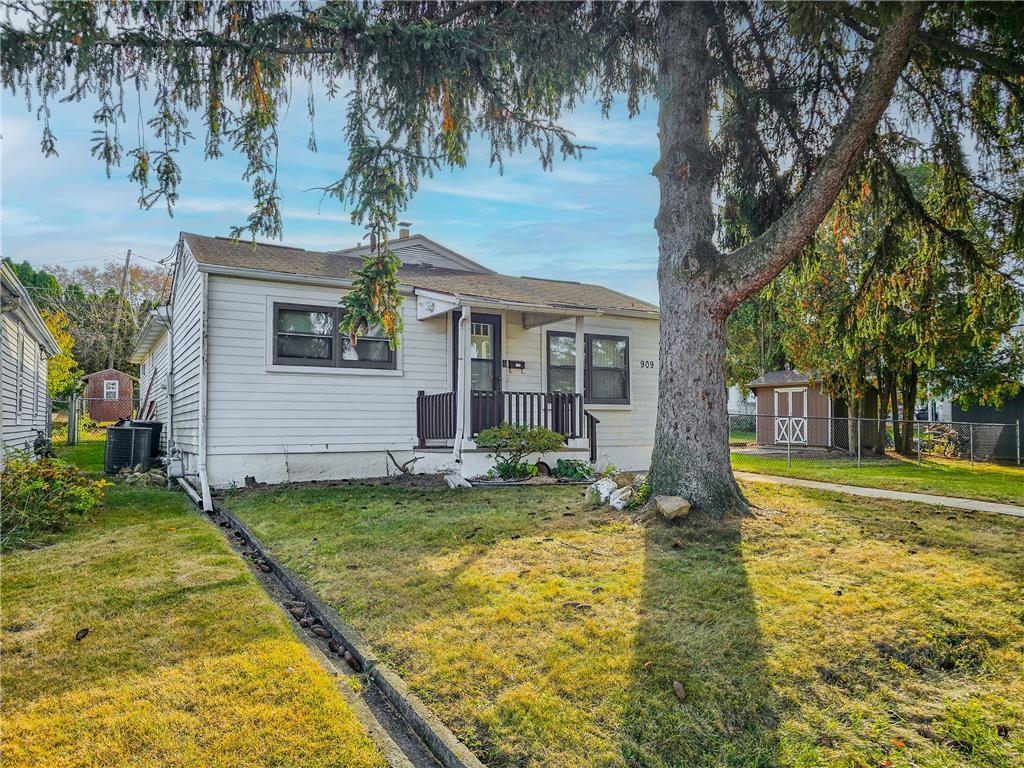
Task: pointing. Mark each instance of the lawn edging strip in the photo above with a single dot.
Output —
(438, 738)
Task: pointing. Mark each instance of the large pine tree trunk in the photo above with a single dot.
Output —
(692, 434)
(691, 457)
(698, 285)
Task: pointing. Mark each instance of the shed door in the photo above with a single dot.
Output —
(791, 415)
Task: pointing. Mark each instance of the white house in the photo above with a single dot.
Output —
(248, 372)
(25, 346)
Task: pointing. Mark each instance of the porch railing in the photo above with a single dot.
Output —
(562, 412)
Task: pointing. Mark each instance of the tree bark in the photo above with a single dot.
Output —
(699, 286)
(908, 395)
(691, 457)
(882, 385)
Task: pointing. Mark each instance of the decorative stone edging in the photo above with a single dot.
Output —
(441, 742)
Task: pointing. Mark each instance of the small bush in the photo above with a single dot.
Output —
(42, 497)
(510, 443)
(641, 493)
(573, 469)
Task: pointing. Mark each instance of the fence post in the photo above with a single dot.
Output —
(971, 425)
(1018, 442)
(789, 442)
(917, 425)
(858, 442)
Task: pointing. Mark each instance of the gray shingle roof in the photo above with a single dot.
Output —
(224, 252)
(779, 379)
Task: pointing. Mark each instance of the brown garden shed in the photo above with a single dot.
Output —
(792, 408)
(109, 395)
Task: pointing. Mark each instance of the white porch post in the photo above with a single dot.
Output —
(579, 355)
(463, 422)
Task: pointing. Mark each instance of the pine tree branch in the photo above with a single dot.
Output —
(750, 268)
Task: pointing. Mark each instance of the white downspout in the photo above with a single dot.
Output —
(203, 480)
(462, 400)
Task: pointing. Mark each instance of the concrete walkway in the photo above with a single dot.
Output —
(881, 493)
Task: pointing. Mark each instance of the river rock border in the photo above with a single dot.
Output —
(442, 743)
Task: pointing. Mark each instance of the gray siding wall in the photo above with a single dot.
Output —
(187, 325)
(153, 379)
(19, 421)
(629, 429)
(258, 408)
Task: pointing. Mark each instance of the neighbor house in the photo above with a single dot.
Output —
(793, 409)
(248, 367)
(109, 395)
(25, 346)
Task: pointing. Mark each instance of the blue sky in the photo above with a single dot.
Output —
(590, 220)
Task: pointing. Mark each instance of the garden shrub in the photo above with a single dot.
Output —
(573, 469)
(42, 496)
(510, 443)
(641, 492)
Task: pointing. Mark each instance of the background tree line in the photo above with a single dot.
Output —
(915, 299)
(79, 306)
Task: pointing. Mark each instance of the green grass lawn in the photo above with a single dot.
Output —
(945, 477)
(829, 632)
(186, 663)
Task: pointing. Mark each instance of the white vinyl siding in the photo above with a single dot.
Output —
(623, 426)
(188, 323)
(24, 383)
(153, 380)
(256, 407)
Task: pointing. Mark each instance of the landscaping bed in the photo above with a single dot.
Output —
(186, 661)
(824, 631)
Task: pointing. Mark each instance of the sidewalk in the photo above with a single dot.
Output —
(881, 493)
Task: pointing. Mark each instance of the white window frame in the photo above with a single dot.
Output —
(107, 388)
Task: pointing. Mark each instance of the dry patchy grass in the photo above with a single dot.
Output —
(186, 663)
(831, 633)
(945, 477)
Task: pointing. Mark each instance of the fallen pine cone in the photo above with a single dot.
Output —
(679, 690)
(333, 646)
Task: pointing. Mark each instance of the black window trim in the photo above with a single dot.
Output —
(337, 347)
(550, 335)
(587, 369)
(588, 340)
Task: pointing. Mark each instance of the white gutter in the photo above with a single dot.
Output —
(203, 480)
(568, 310)
(460, 375)
(285, 277)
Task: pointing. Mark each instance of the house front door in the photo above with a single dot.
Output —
(485, 368)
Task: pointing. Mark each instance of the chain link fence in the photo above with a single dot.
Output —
(80, 417)
(766, 442)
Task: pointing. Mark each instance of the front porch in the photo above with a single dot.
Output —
(538, 389)
(438, 419)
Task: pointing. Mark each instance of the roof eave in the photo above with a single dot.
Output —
(570, 310)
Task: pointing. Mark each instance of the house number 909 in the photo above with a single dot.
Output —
(646, 363)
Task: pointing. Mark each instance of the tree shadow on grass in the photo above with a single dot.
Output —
(699, 627)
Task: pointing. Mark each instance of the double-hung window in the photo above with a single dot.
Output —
(605, 368)
(111, 390)
(309, 336)
(561, 362)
